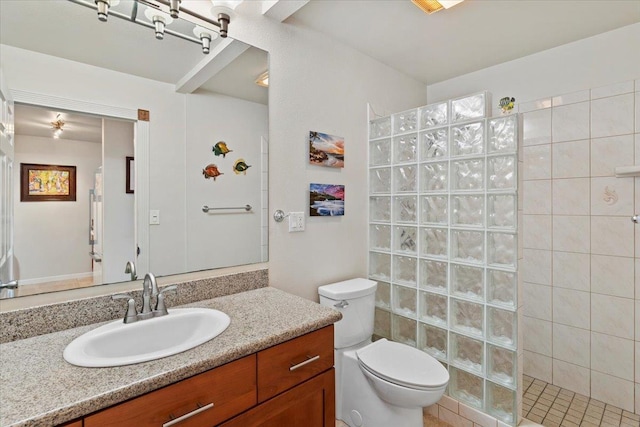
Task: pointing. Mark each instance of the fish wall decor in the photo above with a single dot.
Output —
(211, 171)
(240, 167)
(221, 149)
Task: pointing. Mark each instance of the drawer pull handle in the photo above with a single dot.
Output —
(188, 415)
(301, 364)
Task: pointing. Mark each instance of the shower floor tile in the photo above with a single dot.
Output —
(553, 406)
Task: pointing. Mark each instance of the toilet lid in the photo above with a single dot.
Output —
(403, 365)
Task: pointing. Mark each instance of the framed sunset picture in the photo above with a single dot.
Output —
(326, 200)
(46, 183)
(326, 150)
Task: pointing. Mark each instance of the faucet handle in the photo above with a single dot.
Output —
(12, 284)
(161, 308)
(132, 314)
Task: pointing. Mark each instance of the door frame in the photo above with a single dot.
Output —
(141, 146)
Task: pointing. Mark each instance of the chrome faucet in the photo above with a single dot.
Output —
(131, 269)
(7, 290)
(149, 290)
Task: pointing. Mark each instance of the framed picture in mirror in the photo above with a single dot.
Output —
(47, 183)
(131, 175)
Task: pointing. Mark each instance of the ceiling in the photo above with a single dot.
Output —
(473, 35)
(36, 121)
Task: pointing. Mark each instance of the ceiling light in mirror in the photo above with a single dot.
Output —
(57, 126)
(263, 79)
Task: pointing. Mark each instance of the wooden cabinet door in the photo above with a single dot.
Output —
(311, 404)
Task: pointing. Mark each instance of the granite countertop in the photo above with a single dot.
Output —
(38, 387)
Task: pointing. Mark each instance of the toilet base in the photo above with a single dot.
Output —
(357, 403)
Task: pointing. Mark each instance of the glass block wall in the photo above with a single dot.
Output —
(443, 212)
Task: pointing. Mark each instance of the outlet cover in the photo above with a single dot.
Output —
(296, 222)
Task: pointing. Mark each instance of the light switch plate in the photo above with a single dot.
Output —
(154, 217)
(296, 222)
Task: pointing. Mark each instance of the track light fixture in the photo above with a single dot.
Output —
(161, 13)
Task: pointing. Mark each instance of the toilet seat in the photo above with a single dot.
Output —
(403, 365)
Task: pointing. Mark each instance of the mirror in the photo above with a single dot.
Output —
(207, 144)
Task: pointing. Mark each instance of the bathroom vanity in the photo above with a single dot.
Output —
(272, 366)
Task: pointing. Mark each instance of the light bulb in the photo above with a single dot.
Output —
(103, 8)
(159, 19)
(174, 8)
(205, 37)
(223, 10)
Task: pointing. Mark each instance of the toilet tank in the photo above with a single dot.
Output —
(355, 299)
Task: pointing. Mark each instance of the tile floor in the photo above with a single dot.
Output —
(553, 406)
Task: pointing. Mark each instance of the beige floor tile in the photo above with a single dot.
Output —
(598, 403)
(557, 413)
(592, 420)
(631, 415)
(429, 421)
(573, 419)
(553, 418)
(614, 409)
(575, 413)
(535, 418)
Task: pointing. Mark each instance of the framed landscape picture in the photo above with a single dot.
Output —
(326, 200)
(46, 183)
(326, 150)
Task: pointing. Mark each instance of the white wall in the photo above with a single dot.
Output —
(607, 58)
(118, 244)
(316, 83)
(52, 238)
(227, 237)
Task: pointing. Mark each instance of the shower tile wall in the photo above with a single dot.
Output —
(444, 245)
(581, 266)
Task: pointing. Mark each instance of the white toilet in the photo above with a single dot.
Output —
(380, 384)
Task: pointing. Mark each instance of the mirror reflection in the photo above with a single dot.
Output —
(207, 146)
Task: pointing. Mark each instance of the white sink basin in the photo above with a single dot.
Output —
(117, 343)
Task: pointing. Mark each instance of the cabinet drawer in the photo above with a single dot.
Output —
(288, 364)
(210, 398)
(310, 404)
